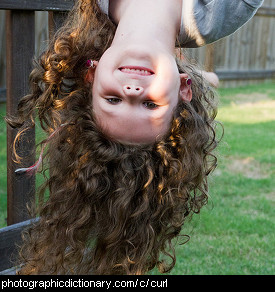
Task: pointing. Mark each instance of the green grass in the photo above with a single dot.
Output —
(234, 233)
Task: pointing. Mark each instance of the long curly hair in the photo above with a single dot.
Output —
(112, 208)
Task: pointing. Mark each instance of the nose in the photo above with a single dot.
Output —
(132, 90)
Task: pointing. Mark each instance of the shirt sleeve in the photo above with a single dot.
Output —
(206, 21)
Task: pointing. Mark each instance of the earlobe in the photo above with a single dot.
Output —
(185, 87)
(89, 78)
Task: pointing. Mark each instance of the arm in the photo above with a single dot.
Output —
(211, 77)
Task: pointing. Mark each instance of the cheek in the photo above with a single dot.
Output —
(165, 84)
(98, 114)
(104, 83)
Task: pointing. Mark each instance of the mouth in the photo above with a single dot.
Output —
(136, 70)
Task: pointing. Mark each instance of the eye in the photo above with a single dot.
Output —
(150, 105)
(113, 100)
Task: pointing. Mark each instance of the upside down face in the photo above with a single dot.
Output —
(135, 93)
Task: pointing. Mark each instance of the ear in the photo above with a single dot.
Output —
(91, 73)
(185, 89)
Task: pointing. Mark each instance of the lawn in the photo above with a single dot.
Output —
(234, 233)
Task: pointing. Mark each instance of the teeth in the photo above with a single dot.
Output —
(143, 72)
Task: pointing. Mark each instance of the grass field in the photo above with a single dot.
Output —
(235, 233)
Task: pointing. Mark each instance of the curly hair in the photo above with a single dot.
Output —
(112, 208)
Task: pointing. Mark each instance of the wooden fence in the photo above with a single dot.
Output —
(247, 55)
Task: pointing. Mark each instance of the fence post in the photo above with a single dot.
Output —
(209, 58)
(20, 51)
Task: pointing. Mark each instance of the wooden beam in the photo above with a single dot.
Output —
(245, 74)
(47, 5)
(266, 11)
(20, 52)
(10, 237)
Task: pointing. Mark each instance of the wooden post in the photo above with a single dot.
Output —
(20, 51)
(209, 58)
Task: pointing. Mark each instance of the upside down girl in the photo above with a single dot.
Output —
(131, 134)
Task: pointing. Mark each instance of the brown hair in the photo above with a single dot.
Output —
(112, 208)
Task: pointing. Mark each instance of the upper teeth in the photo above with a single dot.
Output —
(136, 70)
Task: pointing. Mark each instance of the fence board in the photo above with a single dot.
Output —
(266, 11)
(245, 74)
(3, 94)
(20, 51)
(49, 5)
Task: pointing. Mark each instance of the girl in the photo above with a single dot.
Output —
(130, 142)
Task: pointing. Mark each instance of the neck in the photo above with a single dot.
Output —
(145, 22)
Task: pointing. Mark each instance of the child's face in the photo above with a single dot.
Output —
(135, 93)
